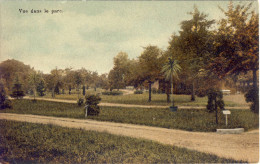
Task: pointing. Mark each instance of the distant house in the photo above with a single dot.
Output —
(155, 85)
(225, 91)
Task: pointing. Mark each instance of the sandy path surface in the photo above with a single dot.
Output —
(243, 146)
(133, 105)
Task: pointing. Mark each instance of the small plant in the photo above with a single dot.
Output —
(215, 101)
(17, 91)
(41, 88)
(138, 92)
(80, 101)
(92, 102)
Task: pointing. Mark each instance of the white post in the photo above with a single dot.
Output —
(226, 120)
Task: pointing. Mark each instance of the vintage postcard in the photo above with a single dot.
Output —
(129, 81)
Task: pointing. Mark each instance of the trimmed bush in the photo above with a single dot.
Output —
(138, 92)
(215, 97)
(112, 93)
(92, 102)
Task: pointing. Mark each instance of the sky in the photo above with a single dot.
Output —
(90, 33)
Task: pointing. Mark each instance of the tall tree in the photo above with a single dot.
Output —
(41, 87)
(55, 80)
(193, 46)
(78, 80)
(171, 70)
(150, 65)
(34, 79)
(237, 44)
(118, 74)
(9, 69)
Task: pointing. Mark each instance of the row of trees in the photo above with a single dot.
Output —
(208, 51)
(18, 78)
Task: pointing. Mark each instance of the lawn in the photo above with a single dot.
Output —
(185, 119)
(142, 99)
(36, 143)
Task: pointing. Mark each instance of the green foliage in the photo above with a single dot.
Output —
(138, 92)
(4, 102)
(188, 119)
(9, 69)
(253, 96)
(80, 102)
(37, 143)
(57, 88)
(41, 88)
(215, 99)
(112, 93)
(171, 69)
(17, 91)
(92, 102)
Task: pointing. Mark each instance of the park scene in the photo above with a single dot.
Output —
(129, 82)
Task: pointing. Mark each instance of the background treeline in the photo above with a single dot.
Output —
(58, 81)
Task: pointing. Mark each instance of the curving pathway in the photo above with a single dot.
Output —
(243, 146)
(132, 105)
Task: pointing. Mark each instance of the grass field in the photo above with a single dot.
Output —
(190, 120)
(142, 99)
(37, 143)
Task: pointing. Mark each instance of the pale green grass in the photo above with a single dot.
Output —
(142, 99)
(37, 143)
(186, 119)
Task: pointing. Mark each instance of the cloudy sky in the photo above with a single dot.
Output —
(89, 34)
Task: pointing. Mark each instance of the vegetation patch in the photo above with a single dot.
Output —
(29, 143)
(186, 119)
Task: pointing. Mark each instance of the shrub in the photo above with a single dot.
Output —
(41, 88)
(113, 93)
(215, 97)
(138, 92)
(80, 101)
(253, 96)
(92, 102)
(17, 91)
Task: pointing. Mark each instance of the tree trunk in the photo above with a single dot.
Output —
(172, 91)
(150, 92)
(216, 109)
(254, 79)
(168, 97)
(34, 93)
(53, 94)
(256, 99)
(192, 92)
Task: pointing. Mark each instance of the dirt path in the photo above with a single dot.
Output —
(243, 146)
(133, 105)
